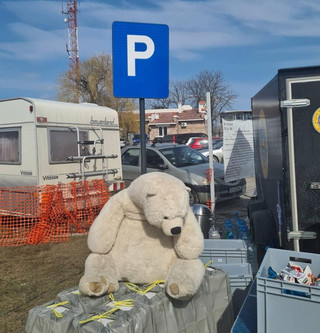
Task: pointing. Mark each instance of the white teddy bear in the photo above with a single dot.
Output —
(144, 233)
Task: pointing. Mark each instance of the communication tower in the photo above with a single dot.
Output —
(72, 43)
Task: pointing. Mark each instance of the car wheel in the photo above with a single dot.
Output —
(193, 197)
(215, 159)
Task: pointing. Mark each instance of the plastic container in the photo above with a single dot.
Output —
(237, 223)
(227, 230)
(246, 321)
(214, 233)
(285, 306)
(203, 215)
(240, 277)
(224, 251)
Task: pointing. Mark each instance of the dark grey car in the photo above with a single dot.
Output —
(184, 163)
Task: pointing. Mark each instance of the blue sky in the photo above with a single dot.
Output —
(247, 40)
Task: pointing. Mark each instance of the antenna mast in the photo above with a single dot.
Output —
(72, 44)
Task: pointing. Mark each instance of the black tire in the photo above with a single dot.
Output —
(263, 231)
(254, 205)
(193, 197)
(215, 159)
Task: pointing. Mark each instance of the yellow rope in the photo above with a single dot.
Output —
(137, 289)
(208, 264)
(54, 306)
(104, 315)
(125, 302)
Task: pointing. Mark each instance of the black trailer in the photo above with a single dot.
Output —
(286, 127)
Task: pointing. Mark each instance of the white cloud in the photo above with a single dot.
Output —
(25, 83)
(44, 13)
(195, 26)
(94, 41)
(296, 18)
(33, 43)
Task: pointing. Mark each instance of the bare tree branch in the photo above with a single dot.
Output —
(94, 84)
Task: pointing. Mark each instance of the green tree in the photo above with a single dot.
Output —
(92, 82)
(129, 123)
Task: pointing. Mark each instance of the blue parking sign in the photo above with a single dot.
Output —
(140, 53)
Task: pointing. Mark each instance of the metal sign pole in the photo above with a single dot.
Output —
(143, 150)
(209, 123)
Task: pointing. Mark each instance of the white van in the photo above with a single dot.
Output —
(48, 142)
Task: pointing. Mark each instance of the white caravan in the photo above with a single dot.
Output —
(47, 142)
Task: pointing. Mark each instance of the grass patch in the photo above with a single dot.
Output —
(34, 274)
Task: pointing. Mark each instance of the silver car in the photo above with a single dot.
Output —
(217, 151)
(184, 163)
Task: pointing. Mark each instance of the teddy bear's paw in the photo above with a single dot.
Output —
(96, 287)
(174, 289)
(182, 291)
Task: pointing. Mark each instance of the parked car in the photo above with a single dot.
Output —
(199, 143)
(178, 138)
(171, 138)
(184, 163)
(217, 151)
(123, 142)
(137, 139)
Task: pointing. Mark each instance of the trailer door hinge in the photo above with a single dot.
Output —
(301, 235)
(295, 103)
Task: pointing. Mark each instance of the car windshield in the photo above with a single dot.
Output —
(182, 156)
(217, 145)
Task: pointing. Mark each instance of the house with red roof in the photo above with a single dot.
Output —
(180, 120)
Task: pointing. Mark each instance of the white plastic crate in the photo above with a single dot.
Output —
(279, 311)
(224, 251)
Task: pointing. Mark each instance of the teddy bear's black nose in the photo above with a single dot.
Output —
(176, 230)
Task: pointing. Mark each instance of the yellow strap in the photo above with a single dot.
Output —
(104, 315)
(150, 285)
(208, 264)
(125, 302)
(54, 306)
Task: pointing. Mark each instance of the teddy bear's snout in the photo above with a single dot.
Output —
(176, 230)
(172, 227)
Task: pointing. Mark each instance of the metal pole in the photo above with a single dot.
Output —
(209, 124)
(143, 150)
(293, 185)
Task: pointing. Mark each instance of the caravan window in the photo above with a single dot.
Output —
(63, 143)
(10, 146)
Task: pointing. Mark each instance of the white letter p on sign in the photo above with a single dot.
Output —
(132, 54)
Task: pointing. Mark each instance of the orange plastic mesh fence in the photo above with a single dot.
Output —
(49, 213)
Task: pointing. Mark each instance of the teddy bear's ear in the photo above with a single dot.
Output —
(188, 188)
(151, 191)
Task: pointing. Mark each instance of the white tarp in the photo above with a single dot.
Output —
(238, 149)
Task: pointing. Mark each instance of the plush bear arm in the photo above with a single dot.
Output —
(189, 244)
(104, 229)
